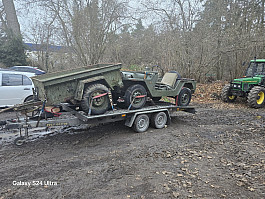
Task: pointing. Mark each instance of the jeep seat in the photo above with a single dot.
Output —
(168, 80)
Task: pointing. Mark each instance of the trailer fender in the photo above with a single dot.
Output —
(130, 119)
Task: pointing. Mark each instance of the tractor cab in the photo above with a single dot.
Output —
(256, 68)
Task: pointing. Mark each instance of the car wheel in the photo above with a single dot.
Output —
(29, 98)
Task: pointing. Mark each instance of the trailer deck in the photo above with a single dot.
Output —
(157, 115)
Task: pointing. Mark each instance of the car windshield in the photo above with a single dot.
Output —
(255, 69)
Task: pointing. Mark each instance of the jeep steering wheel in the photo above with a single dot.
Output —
(159, 69)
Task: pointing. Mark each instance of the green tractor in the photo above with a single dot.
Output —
(251, 86)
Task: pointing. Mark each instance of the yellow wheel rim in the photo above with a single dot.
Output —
(231, 97)
(261, 97)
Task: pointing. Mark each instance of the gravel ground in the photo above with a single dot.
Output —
(216, 153)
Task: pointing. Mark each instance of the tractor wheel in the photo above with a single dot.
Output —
(184, 97)
(99, 105)
(256, 97)
(226, 95)
(130, 96)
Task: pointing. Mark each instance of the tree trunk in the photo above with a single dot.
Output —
(11, 17)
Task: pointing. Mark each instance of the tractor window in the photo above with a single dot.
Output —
(260, 69)
(255, 69)
(250, 70)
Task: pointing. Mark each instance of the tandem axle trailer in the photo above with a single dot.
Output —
(158, 116)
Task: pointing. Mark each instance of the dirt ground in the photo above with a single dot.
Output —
(217, 153)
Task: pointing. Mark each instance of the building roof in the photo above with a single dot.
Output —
(43, 47)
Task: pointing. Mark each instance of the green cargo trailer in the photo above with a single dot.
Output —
(77, 85)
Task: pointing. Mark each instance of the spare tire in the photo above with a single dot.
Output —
(99, 105)
(132, 92)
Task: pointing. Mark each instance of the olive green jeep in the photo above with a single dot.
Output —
(140, 86)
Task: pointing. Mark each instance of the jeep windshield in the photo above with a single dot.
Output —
(255, 68)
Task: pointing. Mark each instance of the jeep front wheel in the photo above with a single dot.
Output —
(256, 97)
(135, 96)
(97, 105)
(226, 95)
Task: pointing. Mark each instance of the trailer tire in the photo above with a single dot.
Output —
(159, 120)
(133, 91)
(184, 97)
(99, 105)
(141, 123)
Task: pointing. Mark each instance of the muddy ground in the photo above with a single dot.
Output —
(217, 153)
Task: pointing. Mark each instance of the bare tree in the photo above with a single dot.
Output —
(11, 17)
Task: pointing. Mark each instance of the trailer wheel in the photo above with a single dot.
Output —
(99, 105)
(130, 95)
(159, 120)
(184, 97)
(19, 141)
(141, 123)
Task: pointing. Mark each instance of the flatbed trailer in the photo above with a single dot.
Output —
(157, 116)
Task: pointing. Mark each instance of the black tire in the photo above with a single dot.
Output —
(159, 120)
(131, 93)
(184, 97)
(19, 141)
(29, 98)
(99, 105)
(256, 97)
(141, 123)
(226, 95)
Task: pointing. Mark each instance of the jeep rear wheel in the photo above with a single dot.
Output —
(184, 97)
(226, 94)
(256, 97)
(98, 105)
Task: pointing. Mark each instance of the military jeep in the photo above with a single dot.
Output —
(148, 84)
